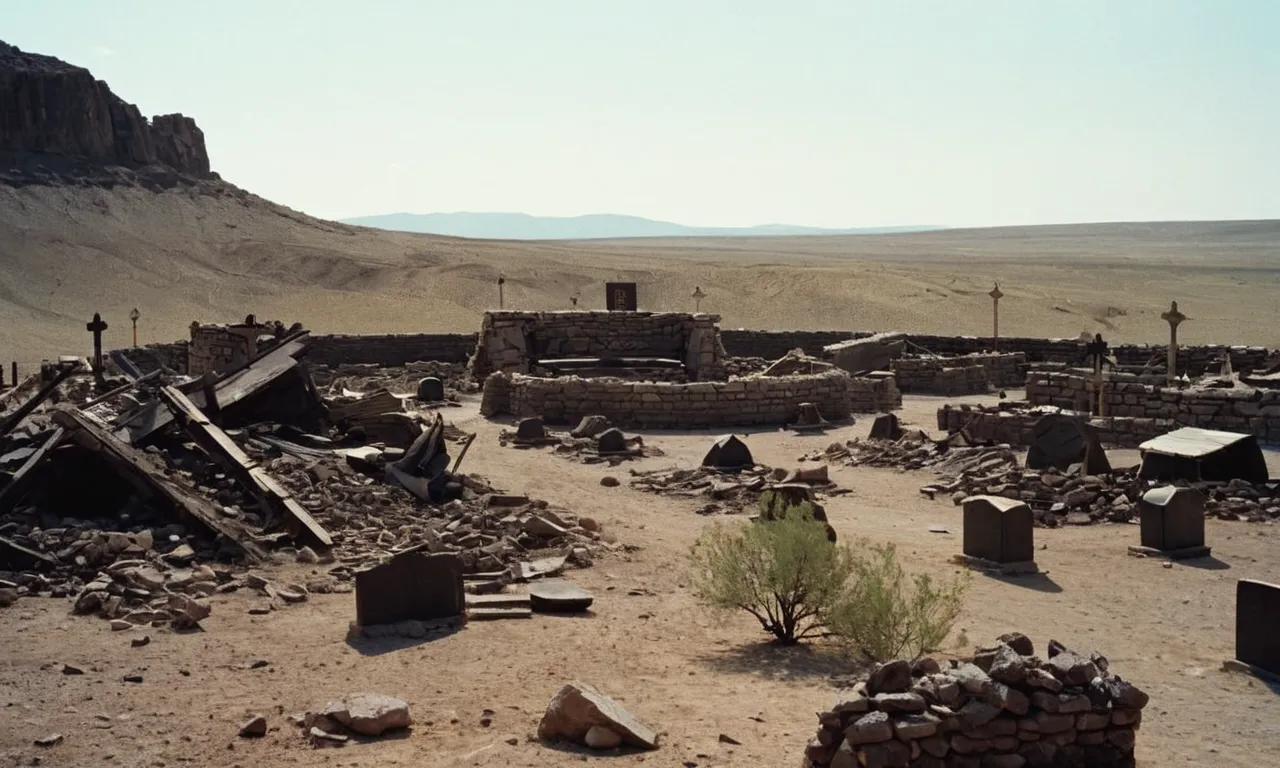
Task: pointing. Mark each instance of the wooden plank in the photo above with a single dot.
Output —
(17, 557)
(225, 451)
(13, 491)
(149, 478)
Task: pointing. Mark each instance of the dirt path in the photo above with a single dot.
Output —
(688, 672)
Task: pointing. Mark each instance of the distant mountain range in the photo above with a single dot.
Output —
(522, 226)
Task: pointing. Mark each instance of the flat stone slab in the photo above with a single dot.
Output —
(559, 596)
(1186, 553)
(1021, 568)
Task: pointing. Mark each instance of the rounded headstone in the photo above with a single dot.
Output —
(611, 441)
(430, 389)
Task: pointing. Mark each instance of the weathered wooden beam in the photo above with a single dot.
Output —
(120, 390)
(17, 557)
(13, 491)
(226, 452)
(149, 478)
(24, 410)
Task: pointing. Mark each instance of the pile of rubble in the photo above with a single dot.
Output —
(1057, 497)
(732, 492)
(1005, 707)
(594, 441)
(182, 484)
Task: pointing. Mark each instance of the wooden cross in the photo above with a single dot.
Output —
(1174, 318)
(995, 295)
(96, 327)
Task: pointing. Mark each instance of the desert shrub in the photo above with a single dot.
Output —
(782, 571)
(887, 614)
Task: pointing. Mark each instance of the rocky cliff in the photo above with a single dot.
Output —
(57, 121)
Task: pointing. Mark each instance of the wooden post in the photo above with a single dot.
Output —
(501, 281)
(995, 295)
(96, 327)
(1174, 318)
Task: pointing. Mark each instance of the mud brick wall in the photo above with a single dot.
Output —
(692, 339)
(1005, 709)
(219, 347)
(391, 349)
(1240, 409)
(1015, 427)
(741, 402)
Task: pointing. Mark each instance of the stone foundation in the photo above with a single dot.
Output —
(997, 425)
(741, 402)
(963, 375)
(1005, 709)
(509, 340)
(1240, 409)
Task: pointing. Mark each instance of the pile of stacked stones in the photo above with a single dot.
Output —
(1007, 708)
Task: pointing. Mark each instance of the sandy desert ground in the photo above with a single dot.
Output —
(690, 673)
(215, 253)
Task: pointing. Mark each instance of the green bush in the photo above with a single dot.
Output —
(887, 614)
(782, 571)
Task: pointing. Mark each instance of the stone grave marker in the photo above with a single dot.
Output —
(998, 535)
(620, 297)
(885, 427)
(1257, 629)
(1172, 523)
(411, 586)
(728, 454)
(612, 441)
(431, 390)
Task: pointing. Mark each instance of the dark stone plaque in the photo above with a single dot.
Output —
(620, 297)
(998, 529)
(1258, 624)
(410, 586)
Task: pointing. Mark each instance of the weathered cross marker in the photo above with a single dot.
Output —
(995, 295)
(133, 317)
(1174, 318)
(1096, 352)
(698, 296)
(96, 328)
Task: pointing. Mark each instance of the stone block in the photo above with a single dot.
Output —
(1172, 518)
(410, 586)
(1258, 625)
(998, 529)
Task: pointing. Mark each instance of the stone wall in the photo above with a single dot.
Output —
(1240, 409)
(154, 356)
(505, 338)
(1006, 709)
(391, 349)
(219, 347)
(992, 423)
(938, 376)
(774, 344)
(741, 402)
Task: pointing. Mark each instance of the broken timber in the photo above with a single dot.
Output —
(141, 471)
(13, 491)
(25, 410)
(223, 449)
(232, 387)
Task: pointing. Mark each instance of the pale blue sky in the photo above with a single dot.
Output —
(710, 112)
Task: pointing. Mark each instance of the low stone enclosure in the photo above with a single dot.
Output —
(741, 402)
(521, 342)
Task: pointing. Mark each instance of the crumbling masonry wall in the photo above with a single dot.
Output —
(741, 402)
(1015, 427)
(391, 349)
(692, 339)
(1239, 409)
(219, 347)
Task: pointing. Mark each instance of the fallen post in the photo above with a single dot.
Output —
(142, 472)
(273, 497)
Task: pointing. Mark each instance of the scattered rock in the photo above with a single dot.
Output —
(609, 481)
(600, 737)
(52, 740)
(254, 728)
(68, 669)
(369, 714)
(578, 707)
(138, 642)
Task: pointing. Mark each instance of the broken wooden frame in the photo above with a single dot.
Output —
(273, 497)
(149, 479)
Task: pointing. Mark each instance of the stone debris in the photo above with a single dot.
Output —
(254, 728)
(367, 714)
(593, 441)
(579, 711)
(730, 493)
(1057, 497)
(1005, 707)
(130, 557)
